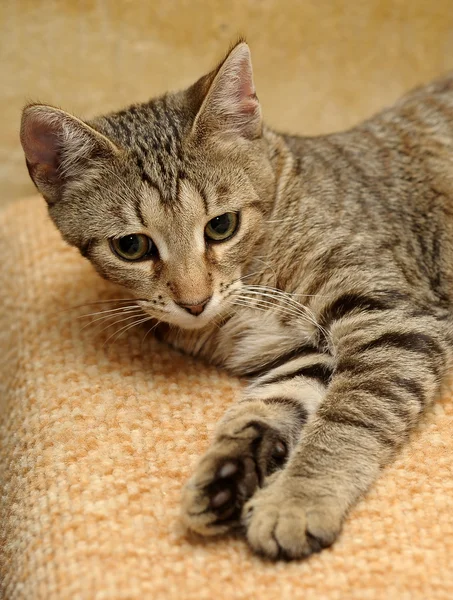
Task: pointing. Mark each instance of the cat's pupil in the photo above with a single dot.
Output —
(130, 244)
(221, 223)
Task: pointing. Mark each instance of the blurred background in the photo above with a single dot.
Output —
(320, 65)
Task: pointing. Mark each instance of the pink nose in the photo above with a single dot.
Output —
(195, 308)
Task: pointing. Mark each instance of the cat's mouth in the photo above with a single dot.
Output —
(186, 317)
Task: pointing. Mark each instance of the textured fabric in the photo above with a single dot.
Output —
(97, 437)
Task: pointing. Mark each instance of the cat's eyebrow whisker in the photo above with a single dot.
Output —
(129, 191)
(117, 195)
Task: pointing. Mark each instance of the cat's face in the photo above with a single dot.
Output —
(184, 259)
(168, 198)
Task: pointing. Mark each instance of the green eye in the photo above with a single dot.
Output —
(133, 247)
(222, 227)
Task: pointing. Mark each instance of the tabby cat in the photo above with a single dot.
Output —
(320, 268)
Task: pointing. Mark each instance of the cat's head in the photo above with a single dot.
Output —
(166, 198)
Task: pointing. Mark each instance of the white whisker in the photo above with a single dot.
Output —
(271, 306)
(133, 312)
(117, 300)
(300, 308)
(112, 310)
(129, 318)
(282, 299)
(116, 334)
(265, 290)
(289, 294)
(148, 332)
(279, 300)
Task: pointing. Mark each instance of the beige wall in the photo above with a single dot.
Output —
(319, 64)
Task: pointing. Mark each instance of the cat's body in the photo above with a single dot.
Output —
(377, 237)
(333, 293)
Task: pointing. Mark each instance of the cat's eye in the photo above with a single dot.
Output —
(135, 246)
(222, 227)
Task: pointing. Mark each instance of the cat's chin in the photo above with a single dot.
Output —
(193, 324)
(196, 326)
(187, 322)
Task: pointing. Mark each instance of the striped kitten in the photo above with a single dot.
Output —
(319, 268)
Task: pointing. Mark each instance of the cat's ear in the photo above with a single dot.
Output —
(59, 148)
(230, 103)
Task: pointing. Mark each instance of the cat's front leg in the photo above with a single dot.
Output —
(254, 440)
(385, 372)
(385, 375)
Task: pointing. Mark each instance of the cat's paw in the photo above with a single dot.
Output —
(283, 523)
(244, 454)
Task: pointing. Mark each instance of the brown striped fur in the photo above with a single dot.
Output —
(334, 297)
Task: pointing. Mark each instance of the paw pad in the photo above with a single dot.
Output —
(229, 475)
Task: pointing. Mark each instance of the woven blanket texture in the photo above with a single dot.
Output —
(98, 435)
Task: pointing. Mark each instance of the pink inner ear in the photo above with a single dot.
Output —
(231, 105)
(238, 90)
(248, 105)
(41, 144)
(246, 89)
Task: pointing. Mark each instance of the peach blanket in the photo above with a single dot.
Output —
(97, 438)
